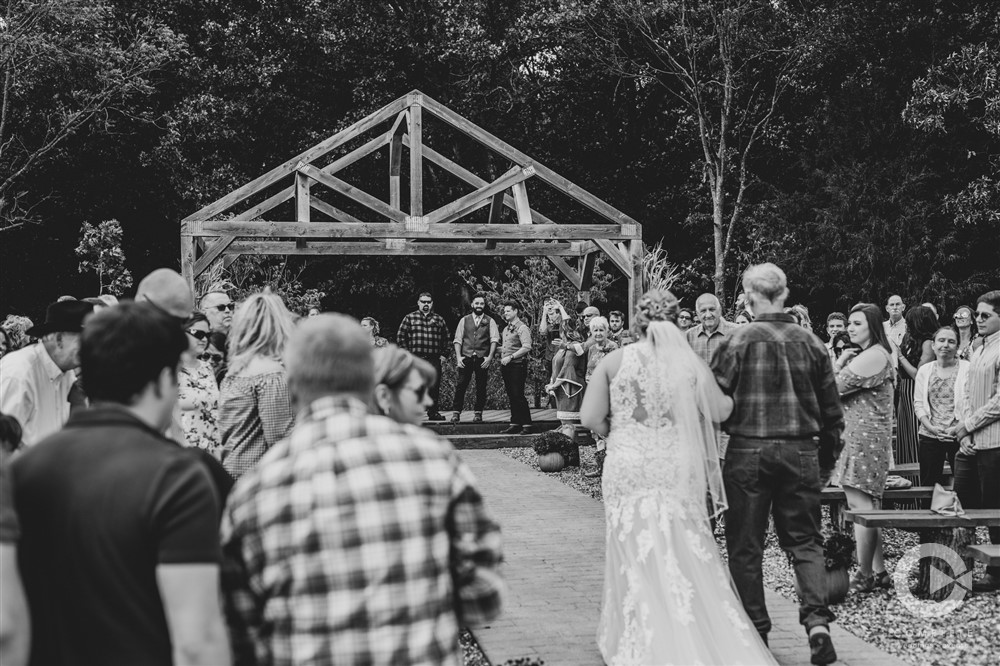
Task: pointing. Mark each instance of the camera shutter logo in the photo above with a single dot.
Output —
(960, 580)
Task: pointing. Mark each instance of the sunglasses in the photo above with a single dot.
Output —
(225, 307)
(961, 316)
(198, 335)
(425, 302)
(684, 316)
(983, 316)
(214, 358)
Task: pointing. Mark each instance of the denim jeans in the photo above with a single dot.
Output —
(780, 477)
(977, 483)
(933, 452)
(473, 366)
(435, 390)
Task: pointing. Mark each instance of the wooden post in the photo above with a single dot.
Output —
(416, 162)
(301, 202)
(187, 259)
(496, 216)
(635, 283)
(395, 157)
(521, 202)
(585, 267)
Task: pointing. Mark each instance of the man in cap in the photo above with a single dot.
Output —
(168, 292)
(35, 382)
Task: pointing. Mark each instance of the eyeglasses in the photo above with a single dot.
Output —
(224, 307)
(198, 335)
(420, 391)
(425, 302)
(212, 358)
(983, 316)
(961, 316)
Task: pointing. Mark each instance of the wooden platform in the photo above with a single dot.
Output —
(497, 416)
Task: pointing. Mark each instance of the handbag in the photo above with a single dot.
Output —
(945, 502)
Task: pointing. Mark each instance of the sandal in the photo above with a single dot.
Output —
(861, 584)
(883, 580)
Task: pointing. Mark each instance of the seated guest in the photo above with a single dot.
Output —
(356, 540)
(131, 574)
(198, 395)
(402, 385)
(255, 410)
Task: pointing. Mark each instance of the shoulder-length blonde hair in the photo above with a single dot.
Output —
(261, 327)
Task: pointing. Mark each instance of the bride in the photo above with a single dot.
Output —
(668, 598)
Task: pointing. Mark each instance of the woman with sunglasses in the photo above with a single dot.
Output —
(402, 385)
(965, 324)
(197, 391)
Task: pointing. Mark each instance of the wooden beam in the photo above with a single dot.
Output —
(361, 151)
(415, 132)
(301, 201)
(549, 176)
(187, 260)
(462, 205)
(314, 153)
(636, 287)
(362, 197)
(567, 270)
(395, 159)
(461, 231)
(616, 257)
(585, 267)
(521, 204)
(343, 248)
(332, 211)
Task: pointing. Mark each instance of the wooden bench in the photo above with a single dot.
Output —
(988, 554)
(837, 500)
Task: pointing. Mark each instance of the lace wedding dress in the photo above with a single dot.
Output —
(668, 598)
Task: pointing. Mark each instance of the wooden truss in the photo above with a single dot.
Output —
(215, 233)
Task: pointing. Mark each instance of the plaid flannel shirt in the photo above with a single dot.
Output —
(782, 384)
(357, 540)
(424, 336)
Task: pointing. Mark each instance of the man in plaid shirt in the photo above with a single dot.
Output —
(357, 540)
(425, 334)
(785, 438)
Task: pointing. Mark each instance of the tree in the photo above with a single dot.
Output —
(728, 63)
(100, 252)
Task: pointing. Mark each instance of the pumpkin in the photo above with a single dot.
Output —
(551, 462)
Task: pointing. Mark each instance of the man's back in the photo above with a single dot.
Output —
(103, 503)
(351, 543)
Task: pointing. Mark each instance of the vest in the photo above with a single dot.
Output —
(476, 339)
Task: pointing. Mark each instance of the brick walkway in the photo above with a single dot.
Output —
(554, 551)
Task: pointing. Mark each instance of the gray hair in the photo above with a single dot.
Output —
(597, 321)
(767, 280)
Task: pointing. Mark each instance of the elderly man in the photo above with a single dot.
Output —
(383, 561)
(784, 440)
(35, 382)
(895, 325)
(218, 307)
(706, 337)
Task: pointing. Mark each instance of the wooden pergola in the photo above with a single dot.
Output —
(218, 232)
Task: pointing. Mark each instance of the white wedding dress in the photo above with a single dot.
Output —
(668, 598)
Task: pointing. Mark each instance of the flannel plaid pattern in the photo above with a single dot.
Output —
(424, 336)
(357, 540)
(703, 344)
(254, 413)
(782, 383)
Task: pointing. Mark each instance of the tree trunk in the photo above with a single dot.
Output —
(718, 237)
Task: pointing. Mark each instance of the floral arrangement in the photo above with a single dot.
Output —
(838, 551)
(553, 442)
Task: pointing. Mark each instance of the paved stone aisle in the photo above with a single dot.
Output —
(554, 551)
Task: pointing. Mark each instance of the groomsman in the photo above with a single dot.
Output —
(514, 367)
(476, 340)
(424, 333)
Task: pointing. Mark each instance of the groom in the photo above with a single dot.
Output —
(784, 440)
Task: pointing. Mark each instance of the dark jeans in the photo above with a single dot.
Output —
(435, 389)
(514, 376)
(933, 452)
(977, 482)
(473, 365)
(781, 477)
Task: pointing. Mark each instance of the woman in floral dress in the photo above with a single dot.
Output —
(198, 393)
(865, 380)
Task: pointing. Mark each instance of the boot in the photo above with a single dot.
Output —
(599, 470)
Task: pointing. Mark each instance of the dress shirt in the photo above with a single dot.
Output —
(460, 329)
(895, 332)
(516, 338)
(357, 540)
(705, 344)
(982, 395)
(35, 391)
(423, 335)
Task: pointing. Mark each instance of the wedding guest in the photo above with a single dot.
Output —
(402, 385)
(35, 382)
(167, 291)
(197, 390)
(964, 321)
(803, 314)
(357, 540)
(219, 308)
(895, 325)
(741, 319)
(16, 328)
(15, 618)
(706, 337)
(476, 339)
(977, 465)
(131, 575)
(916, 350)
(618, 332)
(600, 331)
(10, 433)
(550, 330)
(514, 349)
(371, 325)
(937, 397)
(864, 380)
(255, 409)
(785, 439)
(569, 368)
(215, 355)
(836, 322)
(424, 333)
(685, 319)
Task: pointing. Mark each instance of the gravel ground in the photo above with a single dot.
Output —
(969, 636)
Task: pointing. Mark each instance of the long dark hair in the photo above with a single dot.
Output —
(921, 325)
(873, 316)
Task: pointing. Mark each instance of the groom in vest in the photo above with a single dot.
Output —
(476, 340)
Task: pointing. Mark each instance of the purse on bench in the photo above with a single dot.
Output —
(945, 502)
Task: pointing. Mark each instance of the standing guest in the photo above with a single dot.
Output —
(707, 336)
(168, 292)
(864, 380)
(424, 333)
(371, 325)
(937, 398)
(742, 319)
(131, 576)
(476, 340)
(685, 319)
(600, 331)
(916, 350)
(514, 350)
(402, 385)
(35, 382)
(977, 465)
(784, 441)
(967, 335)
(550, 330)
(15, 619)
(10, 433)
(836, 322)
(380, 563)
(803, 314)
(255, 409)
(219, 308)
(198, 393)
(215, 355)
(589, 313)
(895, 325)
